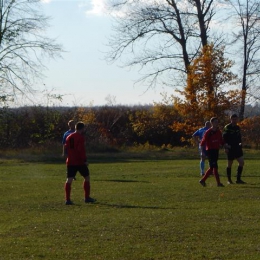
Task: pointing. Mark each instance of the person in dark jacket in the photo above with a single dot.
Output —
(233, 148)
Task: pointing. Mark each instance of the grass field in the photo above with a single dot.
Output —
(145, 209)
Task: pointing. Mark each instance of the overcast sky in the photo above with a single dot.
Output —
(83, 76)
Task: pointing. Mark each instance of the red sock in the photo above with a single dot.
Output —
(206, 175)
(86, 187)
(215, 171)
(67, 189)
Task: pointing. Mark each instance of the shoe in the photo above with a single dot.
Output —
(220, 185)
(203, 183)
(68, 202)
(229, 182)
(90, 200)
(240, 182)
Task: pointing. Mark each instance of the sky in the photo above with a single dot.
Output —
(83, 76)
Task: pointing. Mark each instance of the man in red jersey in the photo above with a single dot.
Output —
(212, 141)
(77, 162)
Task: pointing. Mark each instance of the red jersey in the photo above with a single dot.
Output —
(212, 139)
(75, 147)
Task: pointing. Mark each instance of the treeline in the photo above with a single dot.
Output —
(108, 127)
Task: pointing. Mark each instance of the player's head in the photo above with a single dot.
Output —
(214, 121)
(80, 126)
(234, 118)
(207, 124)
(71, 124)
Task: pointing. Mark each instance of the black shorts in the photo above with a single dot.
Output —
(234, 153)
(73, 169)
(213, 158)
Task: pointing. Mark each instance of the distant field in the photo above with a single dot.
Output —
(148, 207)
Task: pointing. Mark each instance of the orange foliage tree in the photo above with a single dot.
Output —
(207, 93)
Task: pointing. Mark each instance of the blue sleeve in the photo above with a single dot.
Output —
(196, 133)
(64, 138)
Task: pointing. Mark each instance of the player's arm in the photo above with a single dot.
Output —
(195, 137)
(226, 146)
(63, 150)
(63, 146)
(239, 137)
(204, 140)
(225, 136)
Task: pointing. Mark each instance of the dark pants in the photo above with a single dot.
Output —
(213, 158)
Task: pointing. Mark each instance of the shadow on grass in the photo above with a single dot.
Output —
(122, 206)
(250, 186)
(98, 158)
(53, 155)
(123, 181)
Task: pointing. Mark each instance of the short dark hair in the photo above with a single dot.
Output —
(71, 123)
(233, 116)
(212, 119)
(80, 125)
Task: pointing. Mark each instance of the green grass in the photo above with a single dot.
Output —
(145, 209)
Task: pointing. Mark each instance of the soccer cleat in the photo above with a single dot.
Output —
(240, 182)
(229, 182)
(90, 200)
(220, 185)
(203, 183)
(68, 202)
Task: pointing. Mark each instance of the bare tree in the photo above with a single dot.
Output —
(247, 37)
(23, 45)
(163, 36)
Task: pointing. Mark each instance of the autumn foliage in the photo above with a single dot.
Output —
(208, 92)
(250, 131)
(108, 128)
